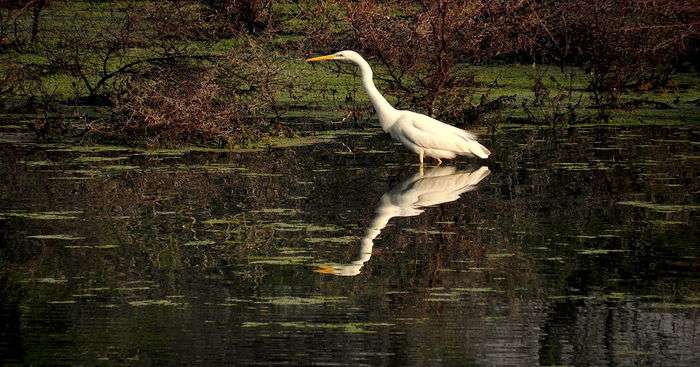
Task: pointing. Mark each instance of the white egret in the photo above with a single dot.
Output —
(421, 134)
(409, 198)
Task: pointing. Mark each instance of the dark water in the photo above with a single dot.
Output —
(574, 247)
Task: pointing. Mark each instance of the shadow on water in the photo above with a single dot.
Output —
(580, 247)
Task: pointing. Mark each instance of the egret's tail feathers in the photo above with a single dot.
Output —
(478, 149)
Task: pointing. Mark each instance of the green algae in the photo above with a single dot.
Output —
(52, 215)
(342, 239)
(87, 148)
(278, 211)
(302, 301)
(500, 255)
(301, 226)
(98, 247)
(97, 159)
(62, 302)
(280, 260)
(154, 302)
(119, 168)
(667, 208)
(426, 231)
(349, 328)
(63, 237)
(51, 280)
(599, 251)
(199, 243)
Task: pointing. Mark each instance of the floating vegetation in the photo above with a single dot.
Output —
(426, 231)
(154, 302)
(668, 208)
(96, 159)
(579, 166)
(63, 237)
(456, 294)
(350, 328)
(261, 174)
(51, 280)
(301, 226)
(302, 301)
(38, 163)
(500, 255)
(59, 215)
(598, 251)
(199, 243)
(212, 167)
(119, 168)
(87, 148)
(572, 297)
(280, 260)
(229, 220)
(342, 239)
(476, 290)
(278, 211)
(99, 247)
(676, 306)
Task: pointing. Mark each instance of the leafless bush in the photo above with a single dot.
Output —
(233, 16)
(623, 43)
(226, 102)
(555, 106)
(20, 21)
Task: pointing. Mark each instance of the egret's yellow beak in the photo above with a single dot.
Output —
(321, 58)
(325, 269)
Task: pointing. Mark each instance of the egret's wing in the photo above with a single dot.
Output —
(429, 133)
(427, 123)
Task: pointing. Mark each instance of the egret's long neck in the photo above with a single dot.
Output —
(387, 113)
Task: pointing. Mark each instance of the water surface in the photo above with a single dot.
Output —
(576, 246)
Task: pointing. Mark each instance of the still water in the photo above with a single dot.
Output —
(569, 247)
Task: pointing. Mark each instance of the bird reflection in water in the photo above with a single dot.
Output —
(410, 198)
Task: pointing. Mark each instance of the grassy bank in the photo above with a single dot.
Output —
(525, 94)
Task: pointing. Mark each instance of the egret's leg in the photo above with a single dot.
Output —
(420, 156)
(439, 161)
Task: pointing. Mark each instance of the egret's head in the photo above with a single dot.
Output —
(347, 56)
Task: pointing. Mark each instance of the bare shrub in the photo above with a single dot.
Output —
(20, 21)
(227, 102)
(624, 44)
(233, 16)
(99, 53)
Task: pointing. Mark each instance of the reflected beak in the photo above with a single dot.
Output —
(321, 58)
(325, 269)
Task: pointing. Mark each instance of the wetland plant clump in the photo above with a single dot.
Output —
(227, 102)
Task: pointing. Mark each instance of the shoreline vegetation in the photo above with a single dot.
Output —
(231, 73)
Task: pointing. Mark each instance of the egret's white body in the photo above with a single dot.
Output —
(409, 198)
(421, 134)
